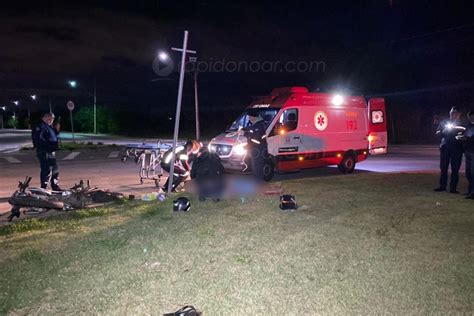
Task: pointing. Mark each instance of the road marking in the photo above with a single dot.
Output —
(12, 159)
(72, 155)
(114, 154)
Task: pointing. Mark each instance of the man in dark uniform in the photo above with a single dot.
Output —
(208, 171)
(181, 164)
(256, 143)
(468, 140)
(451, 150)
(45, 141)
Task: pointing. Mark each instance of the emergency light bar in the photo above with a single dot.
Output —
(337, 100)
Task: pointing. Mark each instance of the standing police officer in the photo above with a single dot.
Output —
(45, 140)
(256, 143)
(451, 150)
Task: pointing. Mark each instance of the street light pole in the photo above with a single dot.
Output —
(50, 108)
(178, 112)
(73, 84)
(33, 97)
(95, 107)
(14, 113)
(3, 108)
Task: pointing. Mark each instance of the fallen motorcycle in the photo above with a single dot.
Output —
(37, 200)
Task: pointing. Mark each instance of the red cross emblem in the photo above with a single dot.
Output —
(321, 120)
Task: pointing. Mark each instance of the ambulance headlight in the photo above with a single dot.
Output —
(212, 148)
(240, 149)
(337, 100)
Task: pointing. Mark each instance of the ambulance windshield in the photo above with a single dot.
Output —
(244, 119)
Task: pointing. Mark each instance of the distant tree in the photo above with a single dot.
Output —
(12, 122)
(106, 120)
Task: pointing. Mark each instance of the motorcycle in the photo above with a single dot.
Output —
(34, 200)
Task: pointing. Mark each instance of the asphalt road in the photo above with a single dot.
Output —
(11, 140)
(105, 170)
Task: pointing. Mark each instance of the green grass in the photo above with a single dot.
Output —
(358, 244)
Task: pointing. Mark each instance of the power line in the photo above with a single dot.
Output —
(450, 29)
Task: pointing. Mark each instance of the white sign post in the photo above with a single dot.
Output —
(70, 107)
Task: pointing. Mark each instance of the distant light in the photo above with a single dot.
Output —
(449, 125)
(337, 99)
(170, 118)
(16, 102)
(163, 56)
(33, 97)
(4, 108)
(73, 83)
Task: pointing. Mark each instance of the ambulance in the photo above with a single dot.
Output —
(307, 130)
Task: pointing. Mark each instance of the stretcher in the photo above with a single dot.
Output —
(148, 156)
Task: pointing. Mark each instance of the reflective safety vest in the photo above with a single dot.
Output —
(180, 155)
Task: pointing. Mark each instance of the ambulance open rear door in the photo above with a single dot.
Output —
(377, 131)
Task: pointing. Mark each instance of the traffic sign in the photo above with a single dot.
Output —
(70, 105)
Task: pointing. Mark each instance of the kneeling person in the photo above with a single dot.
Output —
(208, 172)
(181, 163)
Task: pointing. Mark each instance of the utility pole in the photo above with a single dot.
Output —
(196, 104)
(50, 108)
(178, 111)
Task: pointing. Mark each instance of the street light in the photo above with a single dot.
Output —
(73, 84)
(163, 56)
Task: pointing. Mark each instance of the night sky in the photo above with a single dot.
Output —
(418, 54)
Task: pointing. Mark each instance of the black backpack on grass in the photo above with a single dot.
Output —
(187, 310)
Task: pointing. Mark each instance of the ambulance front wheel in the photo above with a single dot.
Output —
(268, 170)
(347, 164)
